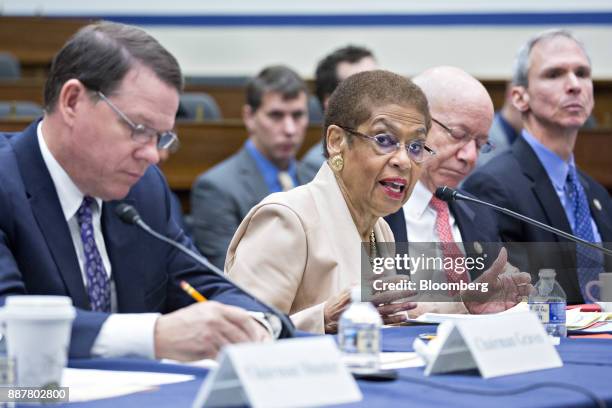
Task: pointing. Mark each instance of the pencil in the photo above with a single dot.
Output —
(192, 292)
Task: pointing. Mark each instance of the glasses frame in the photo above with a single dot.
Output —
(428, 149)
(165, 140)
(484, 149)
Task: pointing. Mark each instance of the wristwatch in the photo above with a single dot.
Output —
(270, 321)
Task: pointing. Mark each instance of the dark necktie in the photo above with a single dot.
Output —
(98, 283)
(589, 262)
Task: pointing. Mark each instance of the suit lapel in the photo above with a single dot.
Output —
(465, 218)
(48, 213)
(397, 223)
(251, 179)
(603, 220)
(542, 187)
(122, 243)
(342, 236)
(550, 204)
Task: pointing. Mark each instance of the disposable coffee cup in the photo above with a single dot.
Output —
(37, 330)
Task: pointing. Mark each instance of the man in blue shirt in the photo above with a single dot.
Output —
(276, 117)
(538, 177)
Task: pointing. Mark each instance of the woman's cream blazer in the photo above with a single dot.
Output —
(296, 249)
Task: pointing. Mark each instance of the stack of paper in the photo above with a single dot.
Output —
(86, 385)
(441, 317)
(588, 322)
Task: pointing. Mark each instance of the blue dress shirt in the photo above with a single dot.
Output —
(268, 170)
(557, 170)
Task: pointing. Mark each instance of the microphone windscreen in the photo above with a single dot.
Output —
(127, 213)
(445, 193)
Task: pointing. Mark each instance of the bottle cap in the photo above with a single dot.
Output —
(547, 273)
(356, 294)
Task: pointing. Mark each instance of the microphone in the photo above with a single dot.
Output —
(129, 215)
(448, 194)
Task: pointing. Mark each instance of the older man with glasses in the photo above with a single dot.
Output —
(110, 103)
(462, 112)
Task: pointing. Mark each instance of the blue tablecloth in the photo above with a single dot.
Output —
(587, 363)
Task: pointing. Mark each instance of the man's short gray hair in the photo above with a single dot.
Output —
(522, 61)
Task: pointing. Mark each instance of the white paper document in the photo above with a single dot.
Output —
(442, 317)
(401, 359)
(87, 385)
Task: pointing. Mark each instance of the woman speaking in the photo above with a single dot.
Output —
(301, 250)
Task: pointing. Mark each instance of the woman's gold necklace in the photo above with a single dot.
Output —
(373, 249)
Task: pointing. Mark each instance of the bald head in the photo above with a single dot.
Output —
(461, 103)
(447, 87)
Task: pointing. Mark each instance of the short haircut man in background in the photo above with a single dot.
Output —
(332, 70)
(538, 176)
(462, 112)
(110, 103)
(276, 118)
(505, 129)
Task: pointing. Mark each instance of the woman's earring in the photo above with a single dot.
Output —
(337, 163)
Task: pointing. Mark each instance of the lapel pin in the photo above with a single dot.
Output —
(477, 247)
(597, 204)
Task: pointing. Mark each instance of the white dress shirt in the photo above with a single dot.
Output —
(121, 334)
(421, 218)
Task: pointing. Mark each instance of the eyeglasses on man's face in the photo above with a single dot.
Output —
(461, 136)
(386, 143)
(141, 133)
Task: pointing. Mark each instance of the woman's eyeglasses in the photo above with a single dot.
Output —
(386, 143)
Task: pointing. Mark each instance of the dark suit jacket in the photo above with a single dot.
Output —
(477, 224)
(517, 180)
(222, 196)
(37, 255)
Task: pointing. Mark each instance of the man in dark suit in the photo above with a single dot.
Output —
(110, 101)
(462, 112)
(276, 117)
(537, 177)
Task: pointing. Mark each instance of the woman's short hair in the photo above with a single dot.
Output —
(352, 103)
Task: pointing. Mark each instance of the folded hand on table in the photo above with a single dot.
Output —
(388, 303)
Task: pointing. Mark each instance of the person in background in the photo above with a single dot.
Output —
(332, 70)
(462, 112)
(110, 103)
(538, 177)
(506, 127)
(276, 118)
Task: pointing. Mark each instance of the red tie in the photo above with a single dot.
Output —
(449, 247)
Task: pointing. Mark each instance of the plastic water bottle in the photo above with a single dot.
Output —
(548, 301)
(359, 335)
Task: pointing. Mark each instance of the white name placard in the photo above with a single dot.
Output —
(287, 373)
(496, 345)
